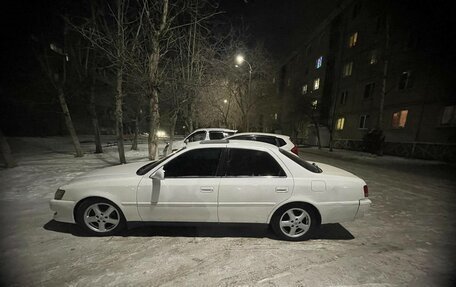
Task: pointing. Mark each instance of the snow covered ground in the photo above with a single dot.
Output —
(407, 239)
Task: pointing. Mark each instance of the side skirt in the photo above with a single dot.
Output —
(136, 224)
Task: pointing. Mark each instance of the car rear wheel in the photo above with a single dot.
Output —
(294, 222)
(100, 217)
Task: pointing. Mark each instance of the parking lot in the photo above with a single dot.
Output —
(407, 239)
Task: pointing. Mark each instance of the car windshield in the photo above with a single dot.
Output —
(146, 168)
(305, 164)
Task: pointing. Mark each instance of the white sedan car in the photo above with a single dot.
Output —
(225, 181)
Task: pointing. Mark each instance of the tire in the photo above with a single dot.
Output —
(100, 217)
(295, 222)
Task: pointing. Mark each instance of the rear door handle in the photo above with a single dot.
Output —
(281, 189)
(207, 189)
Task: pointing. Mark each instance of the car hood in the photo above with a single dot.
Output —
(123, 171)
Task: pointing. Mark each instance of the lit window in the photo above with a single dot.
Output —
(399, 119)
(304, 89)
(314, 104)
(352, 40)
(369, 90)
(348, 68)
(405, 82)
(373, 58)
(319, 62)
(316, 83)
(363, 121)
(340, 124)
(343, 97)
(449, 116)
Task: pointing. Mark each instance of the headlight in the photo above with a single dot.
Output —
(59, 194)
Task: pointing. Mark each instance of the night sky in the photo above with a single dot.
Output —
(24, 90)
(268, 21)
(271, 22)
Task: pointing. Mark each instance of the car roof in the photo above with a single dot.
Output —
(259, 134)
(215, 129)
(231, 143)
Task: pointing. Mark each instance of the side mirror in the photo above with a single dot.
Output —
(186, 141)
(159, 174)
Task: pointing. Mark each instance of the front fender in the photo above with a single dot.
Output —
(128, 208)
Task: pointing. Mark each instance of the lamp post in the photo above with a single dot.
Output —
(239, 60)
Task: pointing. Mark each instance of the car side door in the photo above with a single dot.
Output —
(187, 191)
(253, 183)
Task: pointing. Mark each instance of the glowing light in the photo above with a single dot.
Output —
(161, 134)
(240, 59)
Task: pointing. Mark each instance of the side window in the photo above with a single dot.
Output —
(194, 163)
(265, 139)
(198, 136)
(245, 162)
(216, 135)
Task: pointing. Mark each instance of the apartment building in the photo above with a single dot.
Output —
(375, 64)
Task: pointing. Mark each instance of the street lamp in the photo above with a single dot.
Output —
(239, 60)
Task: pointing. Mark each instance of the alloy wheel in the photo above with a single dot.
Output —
(295, 222)
(101, 217)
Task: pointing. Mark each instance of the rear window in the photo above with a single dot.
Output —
(267, 139)
(305, 164)
(245, 162)
(281, 142)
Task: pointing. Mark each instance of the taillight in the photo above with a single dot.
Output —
(366, 191)
(295, 150)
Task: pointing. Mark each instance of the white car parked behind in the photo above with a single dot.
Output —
(281, 141)
(203, 134)
(215, 181)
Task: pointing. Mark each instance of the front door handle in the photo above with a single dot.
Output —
(207, 189)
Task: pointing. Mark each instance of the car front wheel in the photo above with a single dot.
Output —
(294, 222)
(100, 217)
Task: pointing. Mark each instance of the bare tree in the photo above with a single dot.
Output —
(84, 64)
(158, 31)
(249, 86)
(171, 33)
(55, 68)
(195, 49)
(6, 152)
(108, 32)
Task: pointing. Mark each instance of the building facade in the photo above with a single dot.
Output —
(379, 66)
